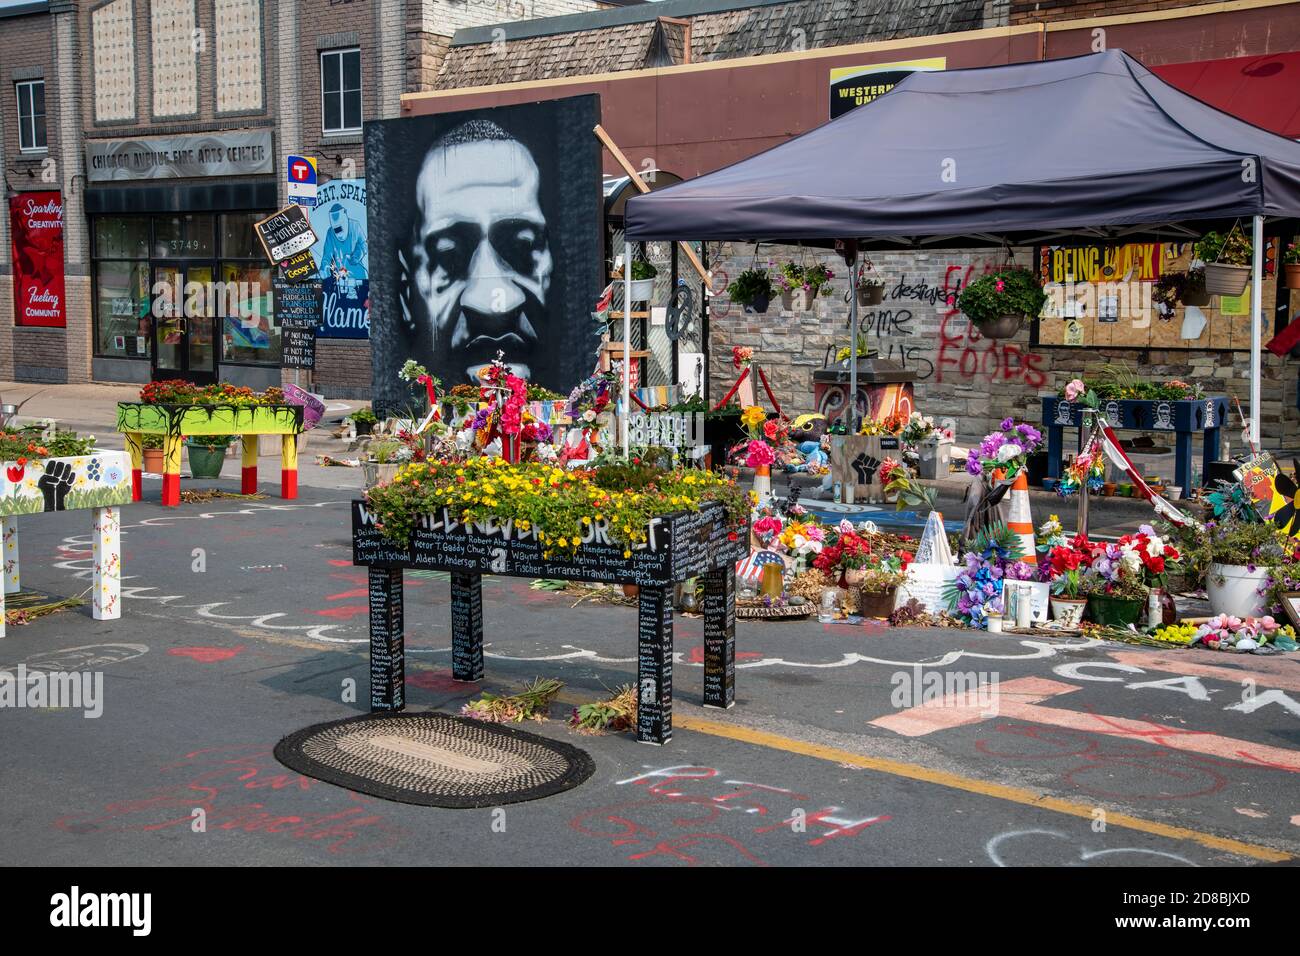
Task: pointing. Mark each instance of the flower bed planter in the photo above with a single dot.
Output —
(1184, 418)
(682, 545)
(98, 482)
(177, 422)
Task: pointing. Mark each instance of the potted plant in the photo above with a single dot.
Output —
(752, 289)
(999, 303)
(1194, 291)
(152, 451)
(207, 454)
(1291, 265)
(1115, 584)
(365, 420)
(870, 285)
(1227, 261)
(1064, 565)
(382, 460)
(800, 285)
(881, 575)
(1241, 555)
(845, 558)
(643, 280)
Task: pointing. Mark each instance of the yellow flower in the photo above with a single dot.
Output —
(753, 416)
(627, 554)
(564, 543)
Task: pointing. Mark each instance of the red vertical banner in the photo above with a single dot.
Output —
(36, 226)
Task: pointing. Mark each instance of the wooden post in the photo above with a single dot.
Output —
(13, 570)
(640, 185)
(288, 466)
(387, 647)
(654, 712)
(467, 627)
(106, 586)
(135, 447)
(171, 487)
(248, 465)
(720, 637)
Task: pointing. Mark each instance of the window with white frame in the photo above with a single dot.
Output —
(340, 91)
(31, 115)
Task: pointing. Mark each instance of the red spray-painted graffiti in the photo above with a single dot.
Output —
(966, 353)
(242, 788)
(710, 804)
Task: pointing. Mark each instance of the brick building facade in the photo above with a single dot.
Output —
(757, 75)
(125, 81)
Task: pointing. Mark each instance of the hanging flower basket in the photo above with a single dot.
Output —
(1004, 327)
(758, 305)
(871, 295)
(795, 300)
(1224, 279)
(643, 290)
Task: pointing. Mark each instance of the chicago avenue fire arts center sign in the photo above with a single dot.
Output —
(241, 153)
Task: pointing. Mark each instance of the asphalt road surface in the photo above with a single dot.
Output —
(245, 621)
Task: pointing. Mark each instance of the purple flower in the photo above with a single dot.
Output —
(1008, 423)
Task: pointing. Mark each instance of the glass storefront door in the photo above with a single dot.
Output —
(183, 324)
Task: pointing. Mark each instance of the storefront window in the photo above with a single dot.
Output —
(250, 333)
(122, 305)
(124, 237)
(133, 254)
(182, 237)
(238, 241)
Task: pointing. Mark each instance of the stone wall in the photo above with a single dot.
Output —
(975, 380)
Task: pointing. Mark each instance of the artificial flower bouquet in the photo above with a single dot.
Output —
(767, 441)
(877, 563)
(1063, 567)
(1149, 554)
(1114, 573)
(891, 424)
(1085, 471)
(742, 356)
(919, 428)
(1007, 449)
(993, 558)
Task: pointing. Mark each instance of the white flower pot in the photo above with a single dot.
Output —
(643, 290)
(1069, 611)
(1234, 590)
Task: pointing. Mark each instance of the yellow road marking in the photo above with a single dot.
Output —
(984, 788)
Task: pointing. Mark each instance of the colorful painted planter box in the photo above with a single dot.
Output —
(99, 483)
(682, 545)
(177, 422)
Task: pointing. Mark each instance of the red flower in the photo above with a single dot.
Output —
(16, 474)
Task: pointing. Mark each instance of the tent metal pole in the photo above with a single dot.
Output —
(627, 345)
(1256, 328)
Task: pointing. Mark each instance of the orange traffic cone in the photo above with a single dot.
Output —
(1019, 522)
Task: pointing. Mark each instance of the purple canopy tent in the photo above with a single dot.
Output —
(1094, 147)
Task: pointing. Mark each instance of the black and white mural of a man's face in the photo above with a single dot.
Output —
(481, 261)
(485, 237)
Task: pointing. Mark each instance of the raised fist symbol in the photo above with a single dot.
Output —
(866, 466)
(54, 484)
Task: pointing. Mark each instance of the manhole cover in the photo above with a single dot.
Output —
(435, 760)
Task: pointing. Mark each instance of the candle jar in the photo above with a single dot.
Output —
(829, 607)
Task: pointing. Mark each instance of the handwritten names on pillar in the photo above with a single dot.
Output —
(467, 627)
(387, 664)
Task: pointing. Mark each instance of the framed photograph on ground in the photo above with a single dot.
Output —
(1291, 604)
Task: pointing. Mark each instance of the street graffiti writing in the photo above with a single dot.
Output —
(965, 353)
(1004, 850)
(243, 789)
(706, 803)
